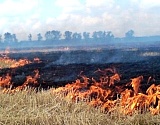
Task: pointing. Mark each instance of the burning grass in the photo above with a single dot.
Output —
(29, 107)
(107, 94)
(6, 62)
(101, 100)
(12, 63)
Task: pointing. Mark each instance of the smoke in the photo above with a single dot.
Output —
(91, 52)
(98, 56)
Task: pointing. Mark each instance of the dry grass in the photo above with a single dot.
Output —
(44, 108)
(31, 108)
(6, 63)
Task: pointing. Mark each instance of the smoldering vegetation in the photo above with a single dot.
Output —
(104, 56)
(58, 68)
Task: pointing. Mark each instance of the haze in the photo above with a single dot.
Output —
(23, 17)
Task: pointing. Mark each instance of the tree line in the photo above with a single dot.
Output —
(56, 35)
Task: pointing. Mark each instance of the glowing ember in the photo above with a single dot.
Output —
(36, 60)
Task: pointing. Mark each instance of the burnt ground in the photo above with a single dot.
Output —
(59, 68)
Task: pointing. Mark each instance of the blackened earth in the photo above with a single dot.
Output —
(58, 68)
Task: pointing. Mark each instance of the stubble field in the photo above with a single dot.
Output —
(38, 102)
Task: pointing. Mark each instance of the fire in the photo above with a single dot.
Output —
(5, 81)
(20, 63)
(31, 81)
(136, 83)
(106, 92)
(103, 93)
(12, 63)
(36, 60)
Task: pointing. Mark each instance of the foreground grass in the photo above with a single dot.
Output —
(23, 108)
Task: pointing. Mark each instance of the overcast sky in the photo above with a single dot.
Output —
(38, 16)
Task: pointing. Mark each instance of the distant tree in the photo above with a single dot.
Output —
(109, 36)
(95, 35)
(129, 34)
(98, 35)
(30, 37)
(76, 36)
(55, 35)
(86, 35)
(58, 35)
(68, 35)
(102, 35)
(39, 37)
(8, 37)
(0, 38)
(79, 36)
(48, 35)
(14, 38)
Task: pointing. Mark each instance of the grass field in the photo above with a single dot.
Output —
(5, 63)
(31, 108)
(45, 108)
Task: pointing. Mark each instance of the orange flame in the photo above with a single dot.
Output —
(5, 81)
(136, 83)
(31, 81)
(103, 94)
(20, 63)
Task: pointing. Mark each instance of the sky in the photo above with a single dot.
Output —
(23, 17)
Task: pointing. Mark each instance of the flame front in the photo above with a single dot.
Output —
(6, 80)
(104, 94)
(31, 81)
(107, 92)
(12, 63)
